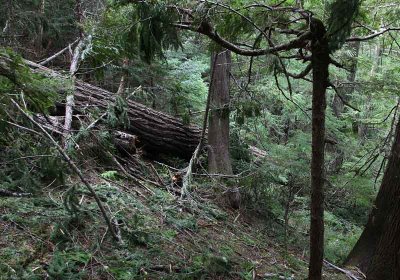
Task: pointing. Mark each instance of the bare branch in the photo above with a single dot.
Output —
(302, 74)
(373, 35)
(206, 29)
(13, 194)
(341, 97)
(47, 60)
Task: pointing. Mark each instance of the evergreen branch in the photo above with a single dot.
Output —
(287, 98)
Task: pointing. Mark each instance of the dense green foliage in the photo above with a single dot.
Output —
(168, 70)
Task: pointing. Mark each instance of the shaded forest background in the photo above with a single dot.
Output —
(140, 79)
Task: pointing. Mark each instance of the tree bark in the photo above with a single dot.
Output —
(70, 101)
(320, 63)
(157, 132)
(218, 132)
(377, 250)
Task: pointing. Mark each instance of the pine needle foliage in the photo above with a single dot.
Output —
(152, 28)
(27, 161)
(342, 13)
(16, 80)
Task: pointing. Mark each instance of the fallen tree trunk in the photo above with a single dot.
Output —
(157, 132)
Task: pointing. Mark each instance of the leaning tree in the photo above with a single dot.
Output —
(377, 250)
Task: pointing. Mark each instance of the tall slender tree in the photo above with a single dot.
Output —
(320, 63)
(218, 130)
(39, 40)
(347, 90)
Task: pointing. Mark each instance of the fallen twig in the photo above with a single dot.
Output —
(13, 194)
(73, 166)
(348, 273)
(160, 181)
(126, 173)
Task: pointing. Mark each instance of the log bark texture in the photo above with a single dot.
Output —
(157, 132)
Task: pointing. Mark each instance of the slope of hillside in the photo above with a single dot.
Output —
(60, 234)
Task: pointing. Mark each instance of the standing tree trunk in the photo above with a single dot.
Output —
(320, 64)
(363, 129)
(348, 89)
(377, 59)
(385, 263)
(39, 40)
(346, 92)
(122, 82)
(377, 250)
(72, 70)
(218, 132)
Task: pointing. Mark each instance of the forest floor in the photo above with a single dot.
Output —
(60, 234)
